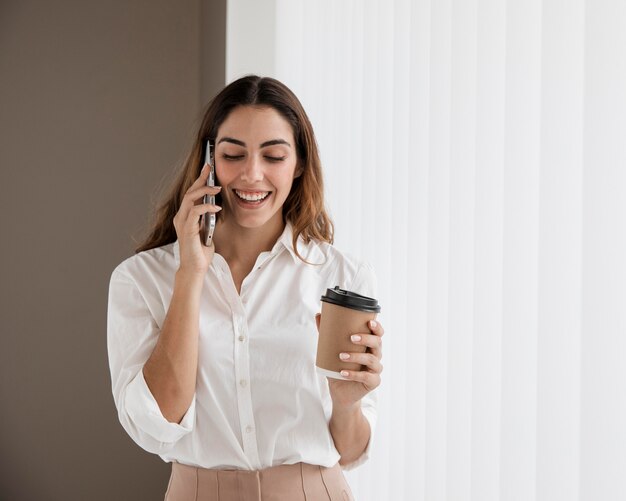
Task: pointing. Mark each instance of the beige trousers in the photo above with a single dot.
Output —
(294, 482)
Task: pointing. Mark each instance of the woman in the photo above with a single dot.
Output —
(212, 349)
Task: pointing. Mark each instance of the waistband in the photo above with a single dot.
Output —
(292, 481)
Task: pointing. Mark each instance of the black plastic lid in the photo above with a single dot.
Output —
(351, 300)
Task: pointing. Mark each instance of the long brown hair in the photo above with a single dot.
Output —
(304, 206)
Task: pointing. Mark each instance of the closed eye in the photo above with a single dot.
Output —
(232, 157)
(239, 157)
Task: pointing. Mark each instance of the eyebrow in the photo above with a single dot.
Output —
(263, 145)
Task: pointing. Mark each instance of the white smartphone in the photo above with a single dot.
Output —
(207, 222)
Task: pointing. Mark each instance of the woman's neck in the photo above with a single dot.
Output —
(239, 244)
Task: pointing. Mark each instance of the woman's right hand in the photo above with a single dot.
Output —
(195, 257)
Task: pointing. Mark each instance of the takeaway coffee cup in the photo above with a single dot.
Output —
(343, 313)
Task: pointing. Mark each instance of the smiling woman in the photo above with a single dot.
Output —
(270, 103)
(213, 349)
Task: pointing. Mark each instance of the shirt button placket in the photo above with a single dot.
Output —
(244, 395)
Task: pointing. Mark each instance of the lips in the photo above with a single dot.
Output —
(251, 196)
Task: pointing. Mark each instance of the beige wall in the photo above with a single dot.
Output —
(98, 101)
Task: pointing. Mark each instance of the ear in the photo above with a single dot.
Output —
(317, 320)
(299, 171)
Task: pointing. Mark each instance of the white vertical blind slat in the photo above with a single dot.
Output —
(603, 314)
(339, 109)
(521, 213)
(290, 37)
(354, 89)
(438, 252)
(488, 282)
(414, 457)
(461, 275)
(400, 200)
(560, 251)
(377, 236)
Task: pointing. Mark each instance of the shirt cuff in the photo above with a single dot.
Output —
(144, 411)
(370, 415)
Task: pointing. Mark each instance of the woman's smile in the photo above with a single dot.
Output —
(251, 199)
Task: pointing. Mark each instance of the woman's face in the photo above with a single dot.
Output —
(255, 163)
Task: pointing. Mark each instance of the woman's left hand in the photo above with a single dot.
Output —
(357, 384)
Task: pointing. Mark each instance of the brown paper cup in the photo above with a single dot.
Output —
(337, 324)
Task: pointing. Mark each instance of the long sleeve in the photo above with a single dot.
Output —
(132, 334)
(364, 283)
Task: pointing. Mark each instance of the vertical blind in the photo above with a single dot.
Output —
(475, 153)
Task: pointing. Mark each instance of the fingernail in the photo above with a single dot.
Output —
(218, 208)
(373, 323)
(344, 373)
(204, 168)
(344, 356)
(355, 337)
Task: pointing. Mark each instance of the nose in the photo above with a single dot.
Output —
(252, 170)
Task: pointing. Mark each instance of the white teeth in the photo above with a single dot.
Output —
(252, 197)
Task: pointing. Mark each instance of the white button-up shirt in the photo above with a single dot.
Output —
(259, 401)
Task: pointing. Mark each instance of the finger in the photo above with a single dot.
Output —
(204, 174)
(193, 222)
(371, 341)
(183, 217)
(368, 359)
(194, 198)
(195, 194)
(369, 379)
(202, 178)
(197, 210)
(376, 327)
(194, 214)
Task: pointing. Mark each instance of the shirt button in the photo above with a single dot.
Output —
(243, 382)
(248, 429)
(242, 338)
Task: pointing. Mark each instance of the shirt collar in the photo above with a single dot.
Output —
(176, 253)
(283, 241)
